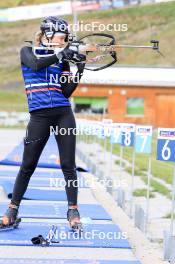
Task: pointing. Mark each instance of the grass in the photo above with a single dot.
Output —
(15, 3)
(164, 10)
(117, 162)
(144, 23)
(13, 101)
(169, 216)
(143, 192)
(157, 187)
(21, 126)
(137, 172)
(160, 170)
(12, 74)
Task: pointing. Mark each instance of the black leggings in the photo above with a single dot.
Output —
(37, 135)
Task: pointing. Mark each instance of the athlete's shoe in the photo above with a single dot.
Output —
(73, 217)
(9, 219)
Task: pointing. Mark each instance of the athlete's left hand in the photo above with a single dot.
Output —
(80, 67)
(78, 58)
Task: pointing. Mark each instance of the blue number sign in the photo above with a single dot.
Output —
(116, 133)
(100, 133)
(127, 138)
(166, 144)
(143, 139)
(107, 124)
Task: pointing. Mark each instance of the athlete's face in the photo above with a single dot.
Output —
(60, 40)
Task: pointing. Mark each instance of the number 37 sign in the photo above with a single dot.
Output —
(166, 144)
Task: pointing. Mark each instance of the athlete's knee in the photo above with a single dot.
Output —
(32, 142)
(32, 152)
(26, 172)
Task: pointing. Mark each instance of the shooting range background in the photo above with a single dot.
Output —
(145, 22)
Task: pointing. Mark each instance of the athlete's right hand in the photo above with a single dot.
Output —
(71, 55)
(67, 54)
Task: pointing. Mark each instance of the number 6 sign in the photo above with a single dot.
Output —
(166, 144)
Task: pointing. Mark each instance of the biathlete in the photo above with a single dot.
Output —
(48, 102)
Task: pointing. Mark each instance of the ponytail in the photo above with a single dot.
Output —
(38, 38)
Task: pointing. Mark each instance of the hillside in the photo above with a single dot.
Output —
(14, 3)
(144, 23)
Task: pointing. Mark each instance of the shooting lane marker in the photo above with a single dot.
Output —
(166, 152)
(143, 141)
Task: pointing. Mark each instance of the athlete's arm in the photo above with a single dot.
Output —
(69, 86)
(30, 60)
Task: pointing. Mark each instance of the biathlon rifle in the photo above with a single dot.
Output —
(82, 46)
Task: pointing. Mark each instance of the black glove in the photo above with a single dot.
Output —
(67, 54)
(79, 57)
(80, 67)
(71, 55)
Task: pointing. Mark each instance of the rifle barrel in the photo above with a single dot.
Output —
(98, 47)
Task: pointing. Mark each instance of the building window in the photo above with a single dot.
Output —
(90, 104)
(135, 106)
